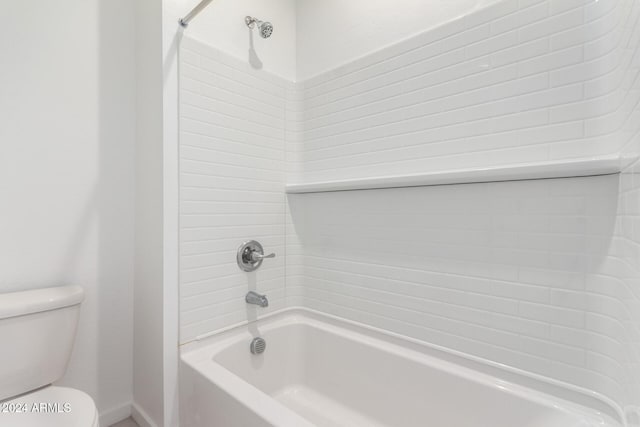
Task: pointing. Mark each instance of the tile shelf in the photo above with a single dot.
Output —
(603, 165)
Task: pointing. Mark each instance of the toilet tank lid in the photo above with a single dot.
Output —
(37, 300)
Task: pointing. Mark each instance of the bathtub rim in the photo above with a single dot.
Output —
(201, 350)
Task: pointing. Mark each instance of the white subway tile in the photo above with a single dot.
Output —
(539, 275)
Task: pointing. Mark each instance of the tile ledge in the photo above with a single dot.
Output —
(591, 166)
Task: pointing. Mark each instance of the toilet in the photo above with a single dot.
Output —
(37, 331)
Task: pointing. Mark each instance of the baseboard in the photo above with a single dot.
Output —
(141, 417)
(115, 415)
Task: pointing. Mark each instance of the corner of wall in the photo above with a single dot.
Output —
(148, 294)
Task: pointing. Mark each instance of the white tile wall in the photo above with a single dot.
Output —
(496, 270)
(232, 122)
(619, 277)
(620, 281)
(539, 275)
(518, 81)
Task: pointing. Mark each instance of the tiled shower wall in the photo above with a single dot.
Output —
(539, 275)
(519, 81)
(232, 168)
(618, 279)
(496, 270)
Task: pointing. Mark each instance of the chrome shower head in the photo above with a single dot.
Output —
(264, 28)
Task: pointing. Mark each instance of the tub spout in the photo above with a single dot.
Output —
(257, 299)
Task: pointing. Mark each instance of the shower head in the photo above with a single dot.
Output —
(264, 28)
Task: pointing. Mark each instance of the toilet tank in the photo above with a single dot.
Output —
(37, 330)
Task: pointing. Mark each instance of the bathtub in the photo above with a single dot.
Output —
(319, 370)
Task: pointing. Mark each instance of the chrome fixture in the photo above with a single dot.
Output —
(258, 345)
(194, 12)
(265, 28)
(250, 256)
(256, 299)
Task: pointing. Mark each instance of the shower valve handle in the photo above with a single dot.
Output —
(250, 256)
(255, 256)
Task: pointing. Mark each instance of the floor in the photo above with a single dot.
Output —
(126, 423)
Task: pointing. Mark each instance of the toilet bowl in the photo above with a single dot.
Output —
(37, 330)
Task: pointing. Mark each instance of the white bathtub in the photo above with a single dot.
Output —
(322, 371)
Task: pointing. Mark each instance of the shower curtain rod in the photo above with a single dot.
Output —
(194, 12)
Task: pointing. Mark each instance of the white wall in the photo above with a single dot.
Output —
(148, 356)
(249, 75)
(334, 32)
(172, 34)
(66, 175)
(156, 244)
(494, 270)
(619, 277)
(507, 84)
(620, 281)
(539, 275)
(232, 171)
(221, 25)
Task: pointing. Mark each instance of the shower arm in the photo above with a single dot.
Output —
(194, 12)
